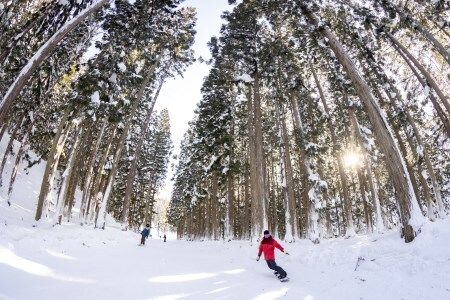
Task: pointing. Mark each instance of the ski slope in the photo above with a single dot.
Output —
(73, 262)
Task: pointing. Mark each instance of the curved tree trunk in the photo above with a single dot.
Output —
(34, 62)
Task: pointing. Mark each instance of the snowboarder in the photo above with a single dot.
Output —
(268, 245)
(145, 233)
(164, 238)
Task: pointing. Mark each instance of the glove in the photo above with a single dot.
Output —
(287, 253)
(257, 259)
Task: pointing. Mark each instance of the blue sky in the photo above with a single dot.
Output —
(181, 95)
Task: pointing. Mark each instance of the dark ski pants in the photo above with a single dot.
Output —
(142, 240)
(273, 266)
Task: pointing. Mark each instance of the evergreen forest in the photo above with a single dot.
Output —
(318, 118)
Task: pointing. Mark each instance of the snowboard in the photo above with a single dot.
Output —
(281, 279)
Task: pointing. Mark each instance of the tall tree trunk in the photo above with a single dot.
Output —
(62, 199)
(409, 167)
(288, 178)
(304, 173)
(255, 201)
(410, 216)
(97, 185)
(350, 230)
(52, 162)
(137, 155)
(43, 52)
(262, 188)
(230, 229)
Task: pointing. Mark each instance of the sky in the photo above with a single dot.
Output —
(181, 95)
(73, 262)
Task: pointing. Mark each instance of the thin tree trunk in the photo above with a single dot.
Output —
(305, 220)
(288, 178)
(230, 230)
(214, 207)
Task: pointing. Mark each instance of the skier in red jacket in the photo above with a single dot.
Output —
(267, 246)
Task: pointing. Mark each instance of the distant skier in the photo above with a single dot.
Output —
(145, 233)
(164, 238)
(268, 245)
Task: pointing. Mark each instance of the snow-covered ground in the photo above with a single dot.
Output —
(38, 261)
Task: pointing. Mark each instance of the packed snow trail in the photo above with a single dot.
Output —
(76, 262)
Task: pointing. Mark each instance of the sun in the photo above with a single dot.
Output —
(353, 159)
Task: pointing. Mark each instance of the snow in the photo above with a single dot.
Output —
(95, 98)
(245, 78)
(122, 67)
(39, 261)
(113, 78)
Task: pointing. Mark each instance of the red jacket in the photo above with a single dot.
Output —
(268, 247)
